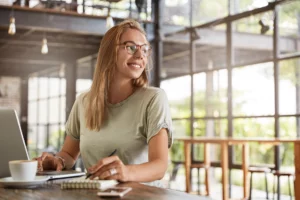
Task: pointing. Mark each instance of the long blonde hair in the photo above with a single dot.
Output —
(96, 98)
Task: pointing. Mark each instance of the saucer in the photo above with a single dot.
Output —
(10, 182)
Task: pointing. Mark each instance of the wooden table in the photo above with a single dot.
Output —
(225, 143)
(51, 190)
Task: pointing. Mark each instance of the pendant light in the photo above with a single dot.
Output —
(44, 49)
(12, 26)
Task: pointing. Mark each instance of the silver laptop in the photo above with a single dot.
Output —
(12, 146)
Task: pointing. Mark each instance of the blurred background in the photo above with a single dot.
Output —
(230, 68)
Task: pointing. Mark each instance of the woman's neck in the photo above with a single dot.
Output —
(119, 91)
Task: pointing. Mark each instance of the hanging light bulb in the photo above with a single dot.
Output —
(109, 22)
(12, 26)
(44, 49)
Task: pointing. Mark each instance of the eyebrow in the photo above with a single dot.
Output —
(134, 43)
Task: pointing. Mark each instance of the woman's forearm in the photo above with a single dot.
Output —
(146, 172)
(69, 160)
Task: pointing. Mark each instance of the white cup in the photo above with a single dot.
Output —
(23, 170)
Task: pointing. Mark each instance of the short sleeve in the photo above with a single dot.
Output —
(73, 123)
(158, 116)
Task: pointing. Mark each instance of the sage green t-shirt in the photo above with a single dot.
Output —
(129, 127)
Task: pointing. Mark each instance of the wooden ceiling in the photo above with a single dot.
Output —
(72, 36)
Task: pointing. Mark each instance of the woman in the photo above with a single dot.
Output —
(119, 113)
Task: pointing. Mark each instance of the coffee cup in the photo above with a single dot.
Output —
(23, 170)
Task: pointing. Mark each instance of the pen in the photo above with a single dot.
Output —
(89, 174)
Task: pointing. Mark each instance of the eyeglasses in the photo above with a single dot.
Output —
(132, 48)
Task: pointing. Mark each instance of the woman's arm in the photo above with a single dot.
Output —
(69, 152)
(67, 156)
(158, 160)
(152, 170)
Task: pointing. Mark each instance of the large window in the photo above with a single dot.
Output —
(244, 71)
(46, 111)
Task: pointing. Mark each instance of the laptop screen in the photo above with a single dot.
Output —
(12, 145)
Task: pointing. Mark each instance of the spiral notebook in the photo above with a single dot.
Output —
(82, 183)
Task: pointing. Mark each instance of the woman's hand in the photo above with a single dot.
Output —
(111, 168)
(48, 161)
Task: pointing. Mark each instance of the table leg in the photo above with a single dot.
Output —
(224, 166)
(297, 170)
(187, 153)
(245, 165)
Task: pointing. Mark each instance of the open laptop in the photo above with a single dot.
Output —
(12, 146)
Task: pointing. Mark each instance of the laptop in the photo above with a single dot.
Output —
(12, 147)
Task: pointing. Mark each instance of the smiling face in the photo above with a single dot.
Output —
(131, 62)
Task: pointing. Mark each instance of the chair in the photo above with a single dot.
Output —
(278, 174)
(264, 170)
(204, 165)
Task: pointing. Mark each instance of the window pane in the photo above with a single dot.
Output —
(54, 110)
(175, 58)
(210, 128)
(289, 18)
(207, 10)
(260, 154)
(32, 141)
(62, 110)
(289, 127)
(179, 95)
(43, 87)
(32, 88)
(289, 86)
(54, 86)
(238, 6)
(177, 151)
(63, 86)
(211, 48)
(32, 112)
(253, 90)
(43, 111)
(210, 94)
(177, 12)
(181, 127)
(253, 127)
(82, 85)
(54, 134)
(252, 39)
(41, 138)
(213, 148)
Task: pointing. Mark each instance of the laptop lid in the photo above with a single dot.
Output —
(12, 145)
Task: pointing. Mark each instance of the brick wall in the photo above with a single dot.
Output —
(10, 93)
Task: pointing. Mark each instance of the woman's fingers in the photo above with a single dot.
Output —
(104, 172)
(115, 170)
(46, 161)
(105, 161)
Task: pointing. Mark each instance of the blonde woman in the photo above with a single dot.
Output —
(120, 114)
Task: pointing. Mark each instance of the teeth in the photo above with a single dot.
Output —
(135, 65)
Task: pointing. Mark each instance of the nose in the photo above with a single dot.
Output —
(139, 53)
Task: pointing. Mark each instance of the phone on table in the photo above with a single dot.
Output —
(114, 192)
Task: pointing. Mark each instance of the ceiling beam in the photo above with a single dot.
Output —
(57, 21)
(50, 20)
(241, 40)
(50, 44)
(28, 62)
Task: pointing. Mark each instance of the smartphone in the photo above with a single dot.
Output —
(114, 192)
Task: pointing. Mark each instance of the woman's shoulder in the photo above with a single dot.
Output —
(152, 91)
(81, 98)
